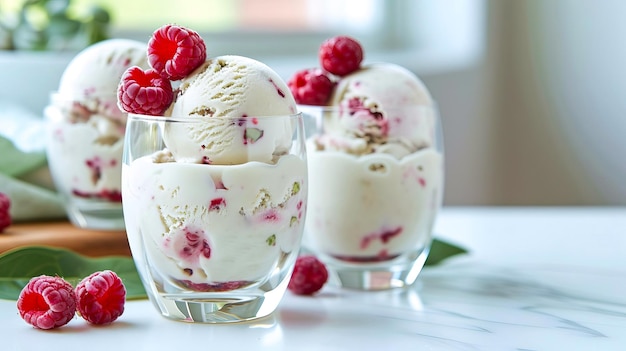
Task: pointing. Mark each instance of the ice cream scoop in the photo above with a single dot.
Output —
(382, 84)
(374, 109)
(92, 76)
(234, 99)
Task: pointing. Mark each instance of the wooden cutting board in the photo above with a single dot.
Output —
(94, 243)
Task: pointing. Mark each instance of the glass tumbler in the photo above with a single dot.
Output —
(214, 211)
(84, 150)
(375, 185)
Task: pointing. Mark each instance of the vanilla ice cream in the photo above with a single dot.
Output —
(221, 89)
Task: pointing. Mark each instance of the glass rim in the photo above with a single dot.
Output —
(198, 119)
(328, 108)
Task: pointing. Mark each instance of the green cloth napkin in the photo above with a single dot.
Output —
(24, 174)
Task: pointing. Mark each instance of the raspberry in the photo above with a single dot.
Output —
(101, 297)
(341, 55)
(47, 302)
(309, 275)
(311, 86)
(5, 216)
(144, 92)
(175, 51)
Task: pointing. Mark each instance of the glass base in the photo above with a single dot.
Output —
(397, 273)
(216, 307)
(93, 214)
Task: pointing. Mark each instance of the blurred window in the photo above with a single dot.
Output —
(246, 15)
(415, 31)
(379, 24)
(253, 27)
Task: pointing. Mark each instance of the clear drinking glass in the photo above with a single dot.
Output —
(214, 211)
(375, 188)
(84, 150)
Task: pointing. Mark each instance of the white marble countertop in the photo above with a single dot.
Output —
(535, 279)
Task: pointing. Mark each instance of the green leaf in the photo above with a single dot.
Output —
(18, 266)
(441, 250)
(15, 162)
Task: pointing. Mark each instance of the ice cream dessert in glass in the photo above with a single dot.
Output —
(214, 180)
(375, 161)
(86, 132)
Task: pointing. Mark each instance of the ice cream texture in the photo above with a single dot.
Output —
(86, 127)
(213, 228)
(372, 207)
(220, 90)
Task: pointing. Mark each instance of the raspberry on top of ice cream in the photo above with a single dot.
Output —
(173, 52)
(145, 92)
(339, 56)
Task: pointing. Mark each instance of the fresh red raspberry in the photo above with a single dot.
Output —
(5, 216)
(101, 297)
(311, 86)
(341, 55)
(309, 275)
(175, 51)
(144, 92)
(47, 302)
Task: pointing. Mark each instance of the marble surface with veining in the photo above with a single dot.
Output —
(540, 278)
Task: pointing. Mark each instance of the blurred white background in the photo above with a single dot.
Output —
(531, 93)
